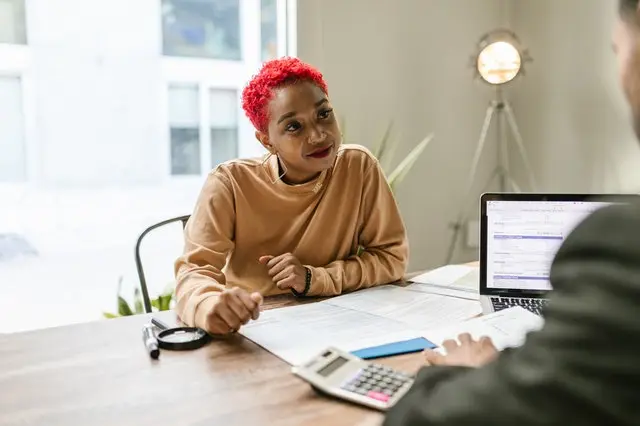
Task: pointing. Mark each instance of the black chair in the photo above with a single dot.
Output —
(143, 282)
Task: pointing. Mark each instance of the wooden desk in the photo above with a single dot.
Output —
(99, 374)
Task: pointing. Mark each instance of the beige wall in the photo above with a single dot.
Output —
(407, 61)
(573, 116)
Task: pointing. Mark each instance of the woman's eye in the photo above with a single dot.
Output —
(292, 127)
(325, 113)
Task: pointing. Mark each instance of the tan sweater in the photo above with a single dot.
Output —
(241, 215)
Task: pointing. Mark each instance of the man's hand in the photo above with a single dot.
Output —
(286, 271)
(233, 309)
(469, 353)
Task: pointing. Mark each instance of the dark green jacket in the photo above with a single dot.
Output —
(581, 369)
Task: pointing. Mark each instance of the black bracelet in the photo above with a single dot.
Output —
(307, 284)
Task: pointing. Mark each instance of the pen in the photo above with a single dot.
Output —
(150, 341)
(159, 324)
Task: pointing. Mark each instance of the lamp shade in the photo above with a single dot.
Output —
(500, 57)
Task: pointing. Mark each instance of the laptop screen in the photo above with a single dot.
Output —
(523, 238)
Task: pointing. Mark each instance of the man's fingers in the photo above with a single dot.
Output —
(286, 283)
(487, 343)
(450, 345)
(264, 259)
(433, 358)
(465, 339)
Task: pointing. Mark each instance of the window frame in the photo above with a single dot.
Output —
(15, 62)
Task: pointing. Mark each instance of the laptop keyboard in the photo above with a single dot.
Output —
(533, 305)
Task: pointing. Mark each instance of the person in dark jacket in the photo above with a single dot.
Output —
(583, 367)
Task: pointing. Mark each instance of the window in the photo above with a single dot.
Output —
(12, 22)
(184, 126)
(202, 28)
(194, 152)
(12, 144)
(269, 29)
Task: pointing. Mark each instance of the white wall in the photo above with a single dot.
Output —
(408, 61)
(573, 115)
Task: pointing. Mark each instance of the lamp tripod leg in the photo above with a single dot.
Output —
(457, 226)
(520, 145)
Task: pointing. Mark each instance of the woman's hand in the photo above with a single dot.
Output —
(469, 353)
(286, 271)
(233, 309)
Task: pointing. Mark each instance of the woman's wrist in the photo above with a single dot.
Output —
(307, 284)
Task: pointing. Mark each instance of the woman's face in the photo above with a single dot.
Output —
(302, 130)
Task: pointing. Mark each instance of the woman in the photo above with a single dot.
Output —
(313, 217)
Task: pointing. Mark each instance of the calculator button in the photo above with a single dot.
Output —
(377, 377)
(388, 392)
(378, 396)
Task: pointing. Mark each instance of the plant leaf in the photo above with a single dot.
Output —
(137, 301)
(164, 302)
(110, 315)
(382, 145)
(391, 152)
(343, 128)
(123, 307)
(405, 165)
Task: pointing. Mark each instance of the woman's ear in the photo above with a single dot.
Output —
(264, 140)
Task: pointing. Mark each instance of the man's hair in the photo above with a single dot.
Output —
(628, 8)
(273, 74)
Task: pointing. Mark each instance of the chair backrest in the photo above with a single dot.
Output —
(141, 276)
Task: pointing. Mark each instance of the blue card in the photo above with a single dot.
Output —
(396, 348)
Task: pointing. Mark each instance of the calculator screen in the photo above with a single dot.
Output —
(332, 366)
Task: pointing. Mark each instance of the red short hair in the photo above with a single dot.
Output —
(273, 74)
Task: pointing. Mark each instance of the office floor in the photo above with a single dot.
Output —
(85, 241)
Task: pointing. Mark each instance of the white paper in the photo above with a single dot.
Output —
(298, 333)
(460, 281)
(354, 321)
(415, 309)
(507, 328)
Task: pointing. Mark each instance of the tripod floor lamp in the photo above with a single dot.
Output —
(499, 59)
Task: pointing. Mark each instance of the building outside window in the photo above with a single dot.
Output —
(202, 28)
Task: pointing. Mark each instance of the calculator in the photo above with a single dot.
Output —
(345, 376)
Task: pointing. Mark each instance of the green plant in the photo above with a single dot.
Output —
(385, 150)
(160, 303)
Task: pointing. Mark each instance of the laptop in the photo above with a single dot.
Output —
(519, 237)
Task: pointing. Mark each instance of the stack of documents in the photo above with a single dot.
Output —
(354, 321)
(461, 281)
(507, 328)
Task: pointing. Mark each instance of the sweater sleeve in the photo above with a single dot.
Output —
(383, 237)
(580, 369)
(208, 239)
